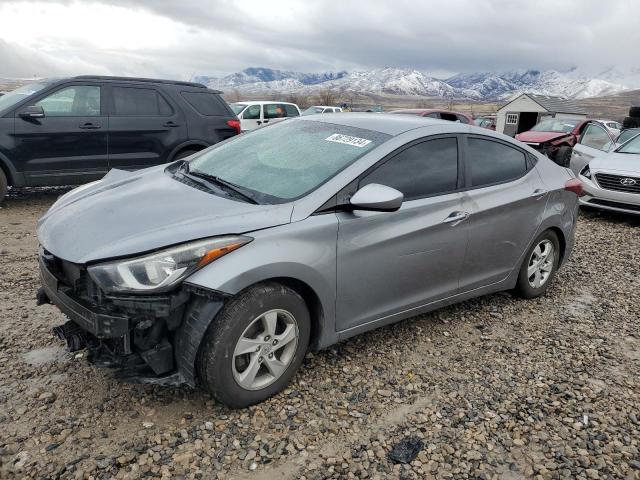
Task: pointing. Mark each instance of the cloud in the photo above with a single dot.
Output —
(178, 39)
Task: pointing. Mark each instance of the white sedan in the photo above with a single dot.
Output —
(612, 181)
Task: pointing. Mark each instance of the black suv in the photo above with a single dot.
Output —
(72, 131)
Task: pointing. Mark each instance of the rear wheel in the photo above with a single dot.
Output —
(539, 266)
(255, 345)
(3, 185)
(563, 156)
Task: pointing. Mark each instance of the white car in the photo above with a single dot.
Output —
(611, 125)
(321, 109)
(612, 181)
(257, 113)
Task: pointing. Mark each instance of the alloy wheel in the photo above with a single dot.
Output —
(265, 349)
(541, 264)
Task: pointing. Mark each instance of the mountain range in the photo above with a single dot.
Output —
(480, 86)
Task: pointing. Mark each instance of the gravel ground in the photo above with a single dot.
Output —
(493, 388)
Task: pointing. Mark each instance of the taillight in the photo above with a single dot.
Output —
(234, 124)
(574, 185)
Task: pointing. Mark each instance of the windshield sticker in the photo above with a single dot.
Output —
(348, 140)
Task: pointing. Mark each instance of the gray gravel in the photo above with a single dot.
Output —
(494, 388)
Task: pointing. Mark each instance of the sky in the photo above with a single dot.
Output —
(182, 38)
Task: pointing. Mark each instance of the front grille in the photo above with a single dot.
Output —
(615, 182)
(77, 282)
(608, 203)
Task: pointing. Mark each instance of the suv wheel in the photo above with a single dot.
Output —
(3, 185)
(539, 266)
(255, 345)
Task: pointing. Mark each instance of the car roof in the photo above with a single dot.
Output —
(262, 102)
(389, 124)
(322, 106)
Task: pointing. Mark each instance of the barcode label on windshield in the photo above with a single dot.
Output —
(348, 140)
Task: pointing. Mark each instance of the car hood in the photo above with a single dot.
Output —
(130, 213)
(620, 162)
(539, 137)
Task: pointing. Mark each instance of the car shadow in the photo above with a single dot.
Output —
(611, 216)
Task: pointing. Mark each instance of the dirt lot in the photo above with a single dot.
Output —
(494, 388)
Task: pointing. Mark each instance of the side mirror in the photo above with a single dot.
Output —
(32, 111)
(377, 198)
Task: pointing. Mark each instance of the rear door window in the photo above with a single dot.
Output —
(274, 110)
(490, 162)
(205, 103)
(139, 102)
(421, 170)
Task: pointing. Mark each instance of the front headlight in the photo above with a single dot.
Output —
(586, 172)
(162, 270)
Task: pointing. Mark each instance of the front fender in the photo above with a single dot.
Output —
(303, 251)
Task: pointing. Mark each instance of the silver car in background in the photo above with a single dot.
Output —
(612, 180)
(223, 269)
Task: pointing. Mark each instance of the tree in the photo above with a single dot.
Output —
(326, 97)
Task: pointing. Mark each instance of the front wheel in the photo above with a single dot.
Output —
(255, 345)
(539, 266)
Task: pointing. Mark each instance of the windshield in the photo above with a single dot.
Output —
(286, 160)
(556, 125)
(312, 110)
(10, 99)
(632, 146)
(238, 107)
(627, 135)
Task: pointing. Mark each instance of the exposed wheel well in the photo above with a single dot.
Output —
(562, 241)
(313, 304)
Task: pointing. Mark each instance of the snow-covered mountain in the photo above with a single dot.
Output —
(570, 84)
(398, 81)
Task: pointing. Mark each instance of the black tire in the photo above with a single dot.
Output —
(185, 153)
(634, 112)
(215, 360)
(3, 185)
(523, 286)
(563, 156)
(630, 122)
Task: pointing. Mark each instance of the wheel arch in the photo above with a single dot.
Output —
(13, 177)
(562, 241)
(312, 300)
(190, 145)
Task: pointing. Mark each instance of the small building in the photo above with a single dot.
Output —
(526, 110)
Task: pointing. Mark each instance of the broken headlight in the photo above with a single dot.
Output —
(586, 172)
(162, 270)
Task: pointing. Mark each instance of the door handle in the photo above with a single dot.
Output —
(265, 121)
(539, 193)
(456, 217)
(259, 122)
(170, 124)
(89, 126)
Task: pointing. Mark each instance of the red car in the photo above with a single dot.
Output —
(435, 113)
(555, 137)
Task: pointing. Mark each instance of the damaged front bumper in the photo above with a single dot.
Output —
(145, 338)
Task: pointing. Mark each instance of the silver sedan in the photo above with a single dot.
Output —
(223, 269)
(612, 181)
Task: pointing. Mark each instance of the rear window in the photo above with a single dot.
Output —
(205, 103)
(139, 102)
